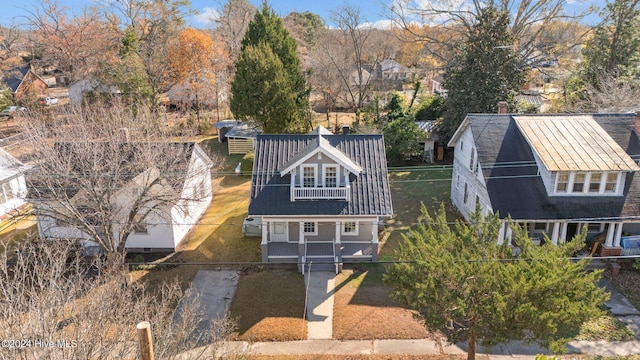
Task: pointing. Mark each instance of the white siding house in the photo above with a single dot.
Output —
(13, 188)
(164, 227)
(557, 174)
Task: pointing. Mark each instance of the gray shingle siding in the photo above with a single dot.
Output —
(270, 193)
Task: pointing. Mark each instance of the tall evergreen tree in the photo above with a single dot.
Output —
(464, 283)
(486, 70)
(251, 90)
(614, 49)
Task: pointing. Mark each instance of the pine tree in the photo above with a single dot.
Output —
(464, 283)
(614, 49)
(486, 70)
(254, 93)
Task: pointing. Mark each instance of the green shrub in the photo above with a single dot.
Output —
(636, 264)
(246, 165)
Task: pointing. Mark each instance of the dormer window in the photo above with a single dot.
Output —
(330, 176)
(587, 183)
(612, 182)
(594, 182)
(308, 176)
(578, 182)
(563, 183)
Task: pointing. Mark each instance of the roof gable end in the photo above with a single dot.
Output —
(320, 145)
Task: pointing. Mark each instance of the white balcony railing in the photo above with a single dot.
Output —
(305, 193)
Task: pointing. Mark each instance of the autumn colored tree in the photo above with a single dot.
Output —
(194, 60)
(270, 47)
(77, 45)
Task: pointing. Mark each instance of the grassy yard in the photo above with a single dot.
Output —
(410, 188)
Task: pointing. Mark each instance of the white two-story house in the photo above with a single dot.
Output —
(320, 197)
(556, 174)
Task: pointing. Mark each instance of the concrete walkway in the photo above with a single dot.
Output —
(320, 289)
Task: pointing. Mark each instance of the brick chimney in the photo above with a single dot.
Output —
(502, 107)
(637, 124)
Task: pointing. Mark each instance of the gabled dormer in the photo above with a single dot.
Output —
(575, 155)
(320, 171)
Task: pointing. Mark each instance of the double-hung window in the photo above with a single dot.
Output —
(330, 176)
(308, 176)
(350, 228)
(563, 183)
(612, 183)
(310, 228)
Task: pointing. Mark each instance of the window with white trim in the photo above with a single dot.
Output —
(472, 160)
(578, 182)
(562, 184)
(308, 176)
(612, 183)
(466, 194)
(594, 182)
(350, 228)
(331, 176)
(310, 228)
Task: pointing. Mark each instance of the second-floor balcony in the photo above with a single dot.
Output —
(320, 193)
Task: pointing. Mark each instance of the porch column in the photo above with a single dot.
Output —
(337, 243)
(374, 240)
(265, 238)
(618, 236)
(292, 186)
(301, 251)
(555, 232)
(563, 233)
(501, 233)
(610, 235)
(508, 234)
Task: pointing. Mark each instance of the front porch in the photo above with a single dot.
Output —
(319, 242)
(613, 238)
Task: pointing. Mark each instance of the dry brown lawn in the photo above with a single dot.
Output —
(269, 306)
(359, 357)
(364, 310)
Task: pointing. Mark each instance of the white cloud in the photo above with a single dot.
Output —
(207, 16)
(380, 24)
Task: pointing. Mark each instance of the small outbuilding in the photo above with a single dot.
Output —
(223, 127)
(241, 138)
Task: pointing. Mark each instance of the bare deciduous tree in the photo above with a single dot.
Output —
(53, 308)
(529, 19)
(232, 23)
(104, 170)
(356, 57)
(73, 44)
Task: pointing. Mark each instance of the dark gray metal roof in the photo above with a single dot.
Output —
(243, 131)
(270, 192)
(515, 187)
(13, 77)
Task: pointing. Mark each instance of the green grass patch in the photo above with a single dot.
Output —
(410, 188)
(225, 164)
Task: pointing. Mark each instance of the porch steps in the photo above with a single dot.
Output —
(321, 263)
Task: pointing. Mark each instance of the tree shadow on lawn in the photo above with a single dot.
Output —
(226, 244)
(363, 308)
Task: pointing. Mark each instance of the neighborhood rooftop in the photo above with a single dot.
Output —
(573, 143)
(515, 187)
(369, 192)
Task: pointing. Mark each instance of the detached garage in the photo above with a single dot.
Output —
(241, 139)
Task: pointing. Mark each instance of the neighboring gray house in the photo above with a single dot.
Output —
(79, 89)
(393, 70)
(320, 197)
(555, 173)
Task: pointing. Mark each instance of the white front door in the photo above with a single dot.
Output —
(279, 231)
